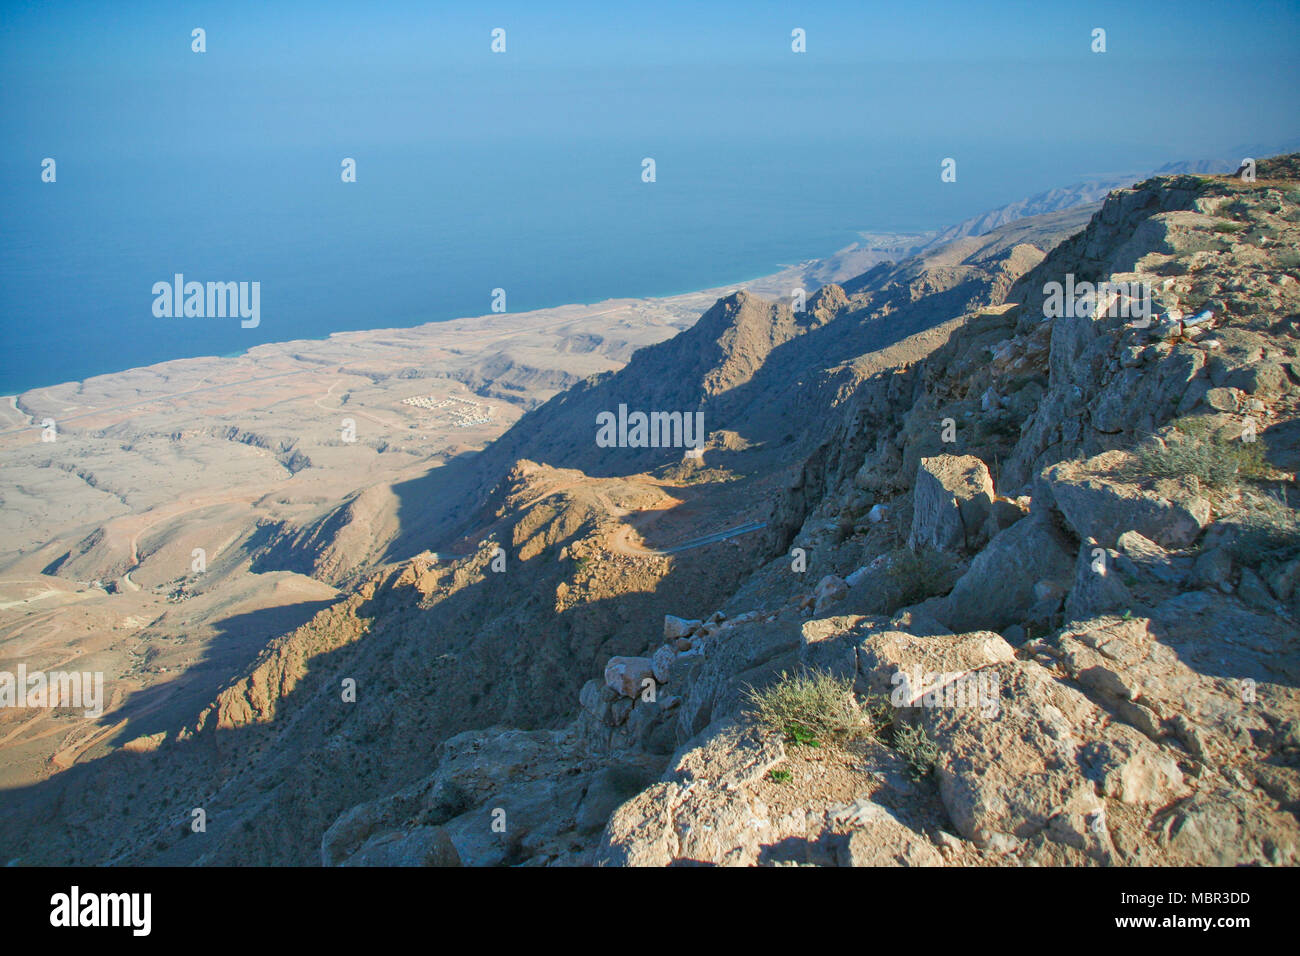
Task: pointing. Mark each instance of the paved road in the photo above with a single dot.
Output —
(707, 539)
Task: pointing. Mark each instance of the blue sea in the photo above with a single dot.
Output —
(424, 234)
(521, 169)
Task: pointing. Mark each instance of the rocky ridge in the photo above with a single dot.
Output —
(1142, 661)
(982, 495)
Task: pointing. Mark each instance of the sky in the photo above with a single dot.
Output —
(1176, 77)
(479, 170)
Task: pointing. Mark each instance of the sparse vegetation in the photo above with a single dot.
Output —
(1269, 533)
(1195, 449)
(915, 746)
(1206, 244)
(779, 776)
(811, 708)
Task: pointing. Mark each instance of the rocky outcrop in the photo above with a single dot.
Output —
(952, 502)
(1015, 573)
(1139, 704)
(1097, 501)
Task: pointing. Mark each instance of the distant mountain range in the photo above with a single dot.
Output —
(874, 248)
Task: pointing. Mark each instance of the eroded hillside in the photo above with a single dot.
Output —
(946, 483)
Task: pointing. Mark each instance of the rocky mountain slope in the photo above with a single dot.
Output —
(1058, 512)
(747, 360)
(1126, 583)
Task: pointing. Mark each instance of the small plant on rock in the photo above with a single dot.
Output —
(915, 746)
(810, 708)
(1193, 449)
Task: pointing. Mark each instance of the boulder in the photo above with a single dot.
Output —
(1097, 586)
(830, 644)
(1098, 501)
(1285, 580)
(830, 589)
(1153, 561)
(662, 663)
(1002, 515)
(1252, 590)
(601, 701)
(754, 655)
(951, 502)
(675, 627)
(1213, 569)
(1126, 767)
(1019, 774)
(879, 838)
(627, 675)
(703, 810)
(1225, 826)
(998, 589)
(854, 577)
(885, 654)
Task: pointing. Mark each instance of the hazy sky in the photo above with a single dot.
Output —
(1178, 80)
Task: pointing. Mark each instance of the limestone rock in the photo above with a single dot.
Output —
(754, 655)
(662, 663)
(1225, 826)
(885, 654)
(952, 500)
(879, 838)
(675, 627)
(1098, 503)
(702, 810)
(422, 846)
(1152, 560)
(627, 675)
(830, 589)
(1018, 774)
(1213, 569)
(998, 588)
(830, 644)
(1097, 585)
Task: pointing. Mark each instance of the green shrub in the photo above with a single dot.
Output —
(1194, 449)
(810, 708)
(915, 746)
